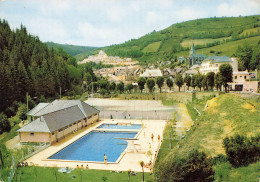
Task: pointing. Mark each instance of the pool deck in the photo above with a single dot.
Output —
(128, 159)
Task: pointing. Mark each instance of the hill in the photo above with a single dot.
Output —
(72, 50)
(208, 35)
(225, 116)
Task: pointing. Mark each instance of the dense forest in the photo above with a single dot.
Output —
(28, 66)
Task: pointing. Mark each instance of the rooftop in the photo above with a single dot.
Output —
(151, 73)
(218, 59)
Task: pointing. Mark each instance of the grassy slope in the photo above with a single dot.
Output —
(153, 47)
(227, 49)
(71, 49)
(225, 116)
(172, 37)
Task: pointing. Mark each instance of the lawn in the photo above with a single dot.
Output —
(224, 172)
(153, 47)
(43, 174)
(227, 49)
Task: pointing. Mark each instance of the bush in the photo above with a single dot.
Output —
(195, 167)
(241, 150)
(4, 123)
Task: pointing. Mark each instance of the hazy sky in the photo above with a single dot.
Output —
(106, 22)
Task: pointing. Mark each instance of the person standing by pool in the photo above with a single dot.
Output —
(105, 159)
(152, 136)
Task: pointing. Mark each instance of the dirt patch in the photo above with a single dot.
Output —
(249, 106)
(185, 121)
(227, 129)
(13, 143)
(223, 114)
(212, 105)
(213, 145)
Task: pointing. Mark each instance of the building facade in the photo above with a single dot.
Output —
(57, 120)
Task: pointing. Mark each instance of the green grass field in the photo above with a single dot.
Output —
(227, 49)
(188, 42)
(251, 30)
(43, 174)
(153, 47)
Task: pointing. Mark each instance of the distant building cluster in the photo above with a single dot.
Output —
(102, 57)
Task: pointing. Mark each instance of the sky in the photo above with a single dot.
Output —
(105, 22)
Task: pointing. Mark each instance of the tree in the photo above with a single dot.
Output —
(210, 79)
(241, 150)
(169, 83)
(159, 82)
(179, 81)
(129, 87)
(199, 79)
(103, 84)
(187, 80)
(141, 83)
(112, 86)
(217, 81)
(193, 81)
(197, 166)
(150, 84)
(204, 82)
(226, 74)
(120, 86)
(141, 163)
(4, 123)
(103, 92)
(245, 54)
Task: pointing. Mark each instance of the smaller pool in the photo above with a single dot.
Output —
(121, 126)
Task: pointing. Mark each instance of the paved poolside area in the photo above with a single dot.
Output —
(129, 159)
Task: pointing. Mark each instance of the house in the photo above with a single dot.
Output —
(190, 72)
(166, 72)
(194, 58)
(212, 64)
(57, 120)
(151, 73)
(181, 60)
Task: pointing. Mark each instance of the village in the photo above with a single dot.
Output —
(129, 71)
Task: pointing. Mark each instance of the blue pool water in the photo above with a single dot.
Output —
(116, 126)
(93, 146)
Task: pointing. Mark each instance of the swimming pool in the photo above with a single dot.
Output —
(94, 145)
(120, 126)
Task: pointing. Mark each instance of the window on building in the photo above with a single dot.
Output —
(32, 134)
(245, 77)
(235, 77)
(52, 133)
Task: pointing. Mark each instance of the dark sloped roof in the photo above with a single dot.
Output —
(58, 114)
(62, 118)
(89, 110)
(38, 125)
(218, 59)
(37, 108)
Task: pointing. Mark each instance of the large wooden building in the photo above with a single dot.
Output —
(53, 121)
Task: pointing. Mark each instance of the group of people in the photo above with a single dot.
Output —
(22, 164)
(82, 166)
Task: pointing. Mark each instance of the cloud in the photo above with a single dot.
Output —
(48, 29)
(153, 18)
(240, 7)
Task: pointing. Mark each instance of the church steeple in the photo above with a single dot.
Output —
(192, 50)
